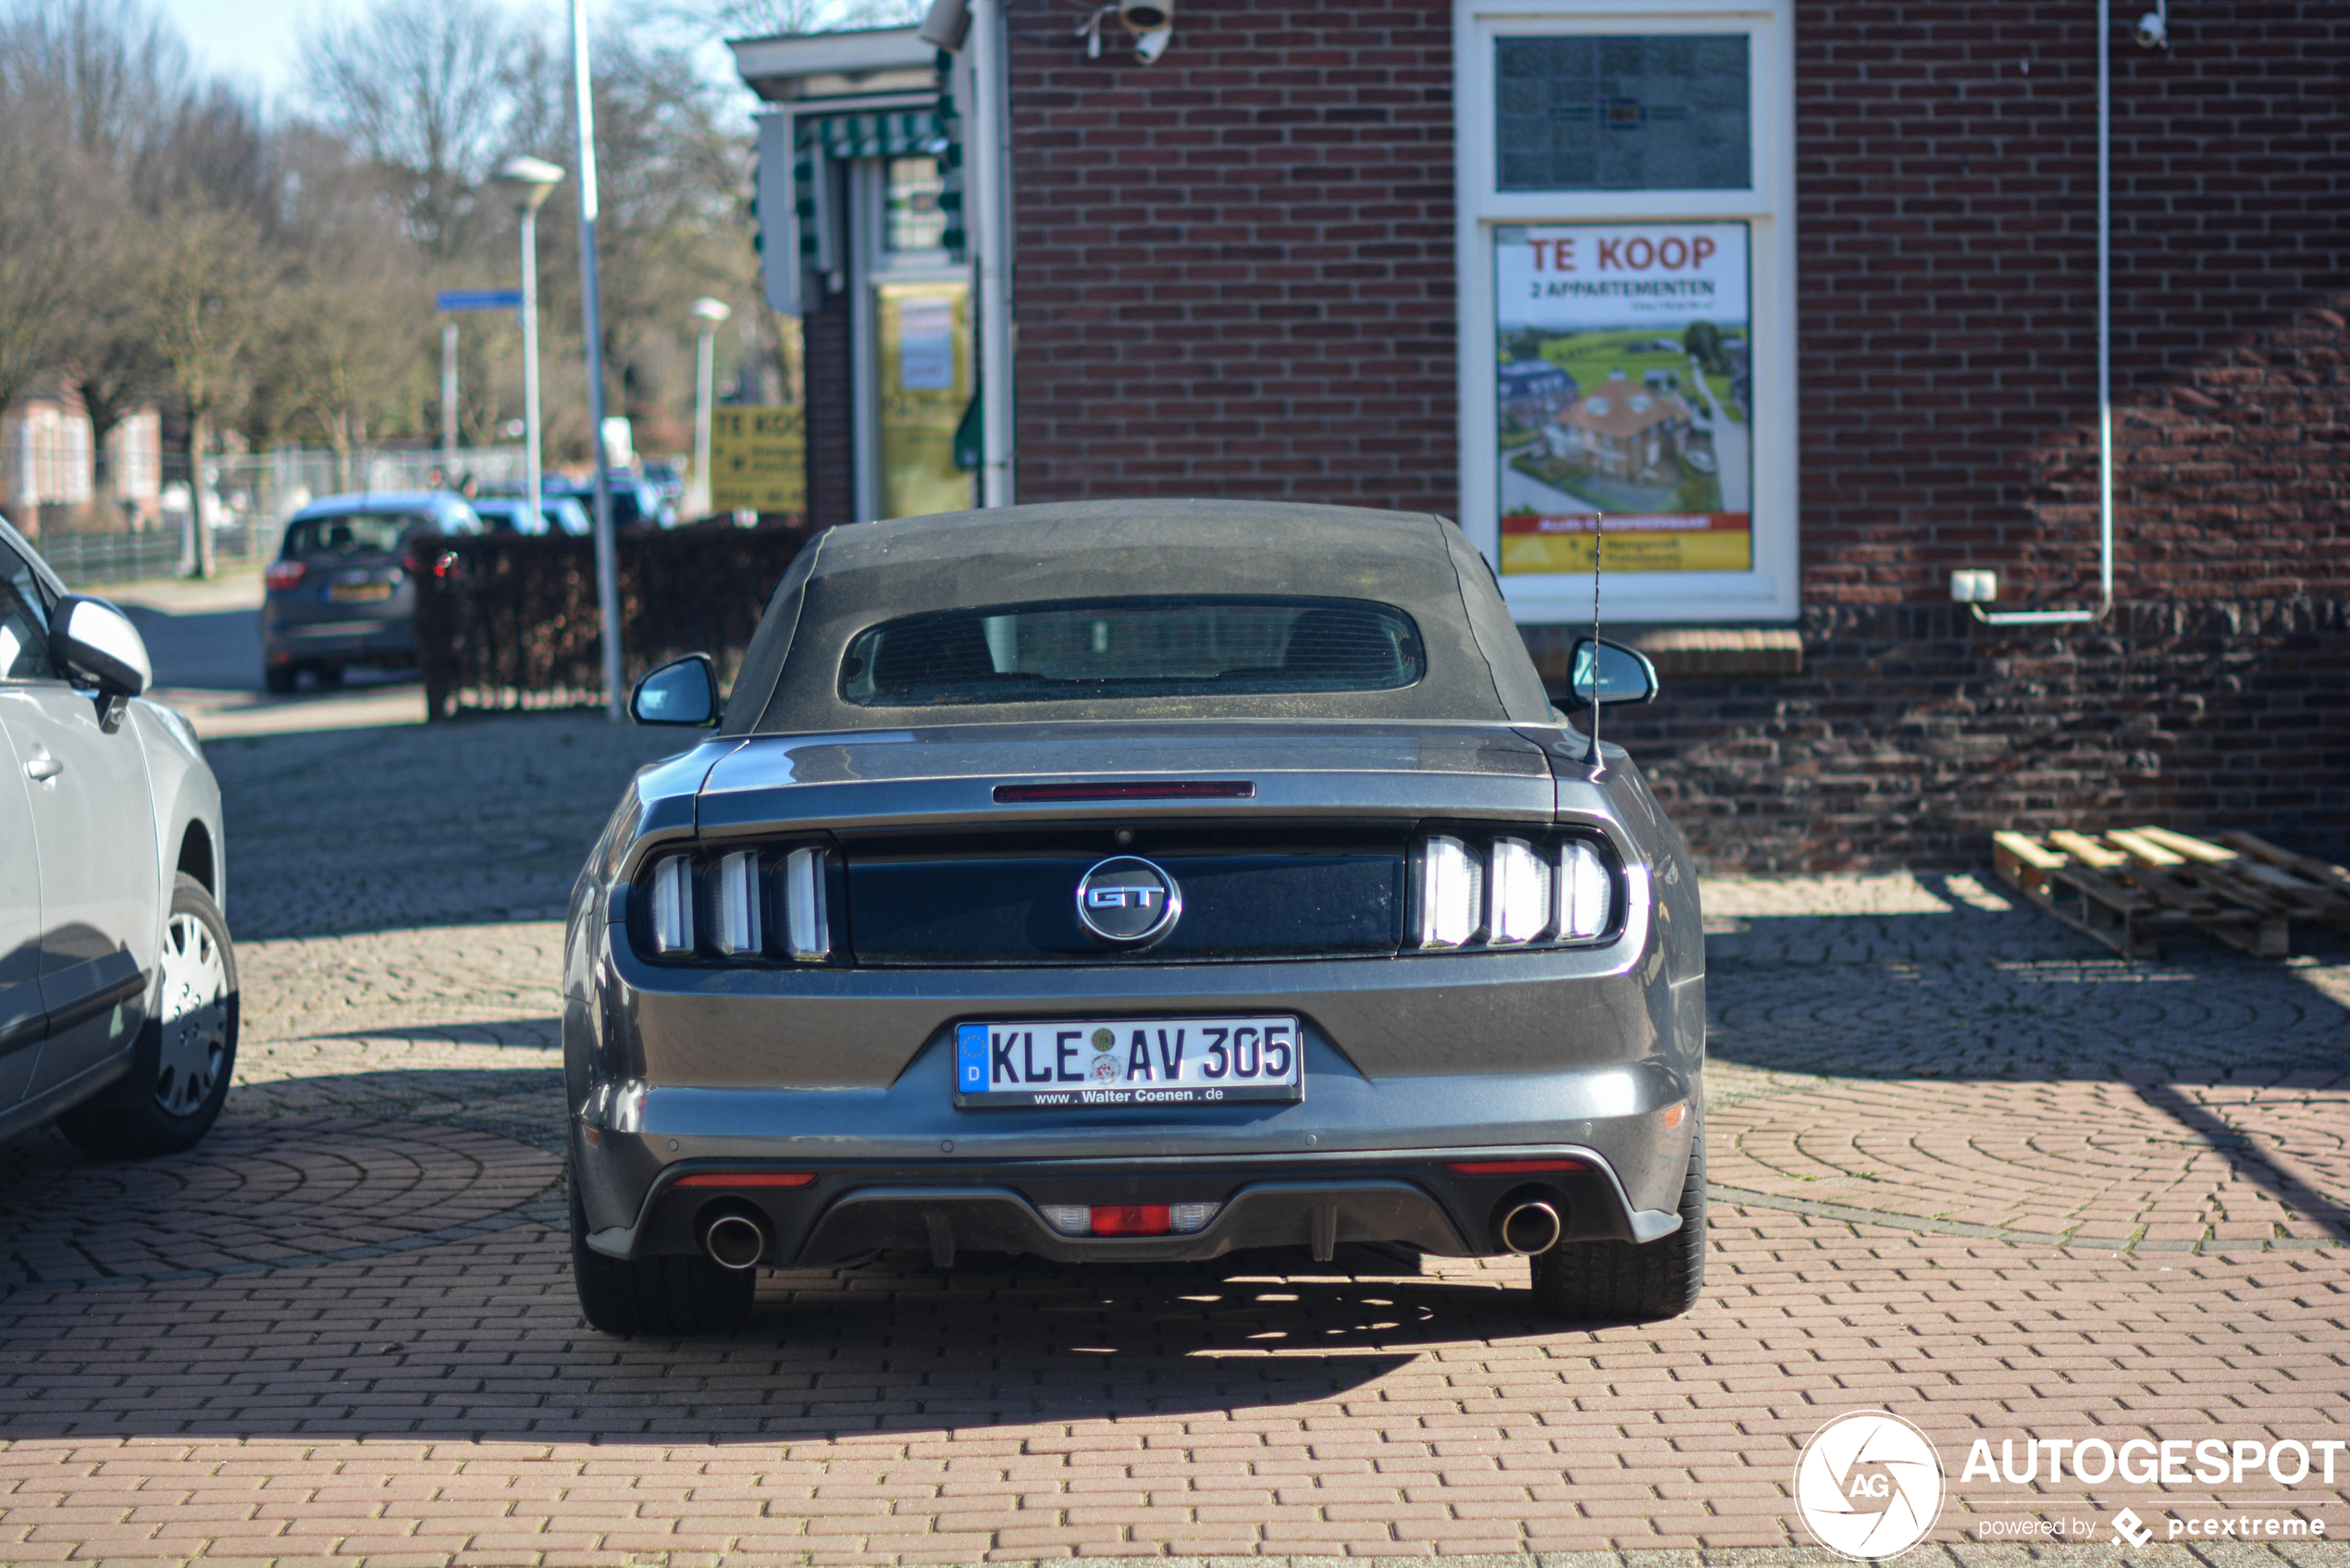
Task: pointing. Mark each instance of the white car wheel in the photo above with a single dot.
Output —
(194, 1015)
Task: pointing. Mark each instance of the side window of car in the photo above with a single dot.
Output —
(24, 621)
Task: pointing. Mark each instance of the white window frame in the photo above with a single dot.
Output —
(870, 268)
(1770, 590)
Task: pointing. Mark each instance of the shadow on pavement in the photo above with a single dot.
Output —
(468, 822)
(423, 1346)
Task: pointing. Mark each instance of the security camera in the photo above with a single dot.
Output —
(1150, 45)
(1147, 16)
(2153, 31)
(945, 23)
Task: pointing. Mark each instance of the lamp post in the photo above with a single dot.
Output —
(592, 329)
(708, 312)
(525, 182)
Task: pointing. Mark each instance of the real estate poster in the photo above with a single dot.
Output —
(758, 460)
(1624, 389)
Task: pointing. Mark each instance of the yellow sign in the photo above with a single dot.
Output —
(758, 460)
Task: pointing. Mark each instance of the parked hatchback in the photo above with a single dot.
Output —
(339, 593)
(117, 983)
(1135, 883)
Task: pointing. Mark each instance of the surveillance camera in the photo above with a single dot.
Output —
(945, 23)
(1147, 16)
(1150, 45)
(2154, 31)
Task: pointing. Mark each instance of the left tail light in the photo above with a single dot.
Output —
(745, 905)
(283, 574)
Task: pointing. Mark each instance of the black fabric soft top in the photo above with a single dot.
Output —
(860, 575)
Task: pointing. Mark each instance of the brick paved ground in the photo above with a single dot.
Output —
(1967, 1170)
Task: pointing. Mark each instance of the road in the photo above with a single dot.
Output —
(204, 638)
(1966, 1167)
(1733, 446)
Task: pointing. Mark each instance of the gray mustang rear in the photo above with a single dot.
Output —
(1134, 880)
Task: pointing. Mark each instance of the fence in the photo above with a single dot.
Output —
(254, 495)
(507, 620)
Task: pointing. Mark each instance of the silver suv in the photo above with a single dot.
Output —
(117, 983)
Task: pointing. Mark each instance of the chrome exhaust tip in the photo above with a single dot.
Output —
(1529, 1229)
(734, 1241)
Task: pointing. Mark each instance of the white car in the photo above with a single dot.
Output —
(117, 983)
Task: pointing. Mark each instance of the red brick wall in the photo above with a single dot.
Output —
(1946, 169)
(1235, 278)
(1235, 267)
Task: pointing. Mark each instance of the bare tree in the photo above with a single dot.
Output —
(766, 18)
(337, 353)
(42, 227)
(208, 274)
(119, 71)
(417, 87)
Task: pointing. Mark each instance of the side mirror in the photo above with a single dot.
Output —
(684, 691)
(92, 641)
(1622, 675)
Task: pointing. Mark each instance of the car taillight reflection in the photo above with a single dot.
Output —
(283, 574)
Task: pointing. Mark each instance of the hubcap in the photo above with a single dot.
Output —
(194, 1015)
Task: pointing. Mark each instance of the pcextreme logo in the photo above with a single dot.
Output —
(1869, 1486)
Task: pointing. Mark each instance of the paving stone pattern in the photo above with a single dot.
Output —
(1966, 1169)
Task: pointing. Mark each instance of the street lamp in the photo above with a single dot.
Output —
(525, 182)
(708, 312)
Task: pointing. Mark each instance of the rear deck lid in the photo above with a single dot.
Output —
(1045, 774)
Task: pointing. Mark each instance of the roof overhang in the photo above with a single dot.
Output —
(796, 66)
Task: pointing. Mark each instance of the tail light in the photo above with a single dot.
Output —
(748, 904)
(283, 574)
(1511, 892)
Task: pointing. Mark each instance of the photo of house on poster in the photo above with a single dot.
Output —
(1624, 387)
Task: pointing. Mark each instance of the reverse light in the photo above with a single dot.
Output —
(1521, 894)
(672, 906)
(1452, 887)
(734, 904)
(1128, 1219)
(283, 574)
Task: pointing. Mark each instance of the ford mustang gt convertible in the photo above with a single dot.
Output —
(1134, 880)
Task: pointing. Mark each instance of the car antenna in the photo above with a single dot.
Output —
(1598, 538)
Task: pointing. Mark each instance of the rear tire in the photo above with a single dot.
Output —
(187, 1049)
(666, 1297)
(1630, 1281)
(280, 679)
(328, 676)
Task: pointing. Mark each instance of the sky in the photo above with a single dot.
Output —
(251, 40)
(257, 41)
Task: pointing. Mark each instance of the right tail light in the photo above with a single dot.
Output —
(1512, 892)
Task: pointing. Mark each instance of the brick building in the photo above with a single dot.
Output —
(1279, 261)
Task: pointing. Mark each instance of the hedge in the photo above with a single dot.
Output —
(507, 622)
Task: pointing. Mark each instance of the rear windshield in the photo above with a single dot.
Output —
(1114, 648)
(351, 533)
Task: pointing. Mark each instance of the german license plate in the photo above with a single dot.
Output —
(348, 593)
(1108, 1062)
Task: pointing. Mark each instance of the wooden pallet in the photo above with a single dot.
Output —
(2121, 888)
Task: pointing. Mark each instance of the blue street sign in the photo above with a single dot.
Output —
(480, 298)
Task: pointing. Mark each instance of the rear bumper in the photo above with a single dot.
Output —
(342, 642)
(1414, 1199)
